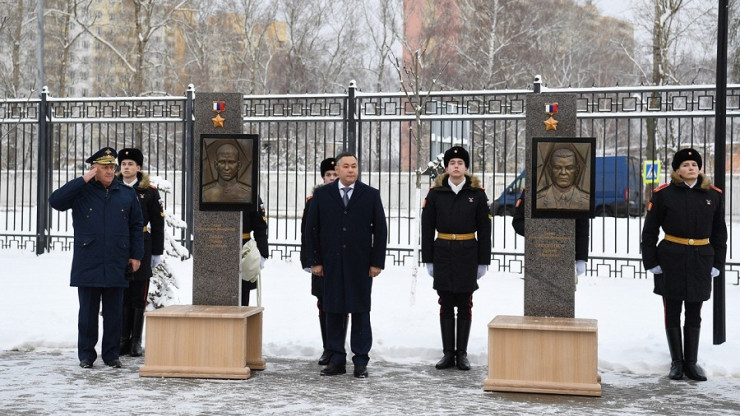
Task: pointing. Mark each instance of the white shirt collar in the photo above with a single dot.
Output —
(456, 188)
(130, 185)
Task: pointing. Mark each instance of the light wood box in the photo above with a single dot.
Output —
(193, 341)
(543, 355)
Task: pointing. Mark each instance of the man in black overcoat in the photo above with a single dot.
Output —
(346, 245)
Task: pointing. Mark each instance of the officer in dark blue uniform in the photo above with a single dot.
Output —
(135, 296)
(691, 213)
(108, 238)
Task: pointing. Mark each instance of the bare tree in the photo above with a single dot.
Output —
(130, 38)
(381, 21)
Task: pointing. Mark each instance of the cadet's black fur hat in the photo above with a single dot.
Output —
(684, 155)
(459, 153)
(131, 153)
(104, 156)
(327, 165)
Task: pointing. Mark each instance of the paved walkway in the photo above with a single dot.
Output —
(49, 382)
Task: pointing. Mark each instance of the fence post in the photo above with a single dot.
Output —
(351, 136)
(42, 178)
(187, 195)
(719, 334)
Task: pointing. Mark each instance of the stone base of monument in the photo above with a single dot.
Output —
(543, 355)
(191, 341)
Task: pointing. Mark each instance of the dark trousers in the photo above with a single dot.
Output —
(448, 301)
(361, 338)
(87, 322)
(672, 309)
(246, 288)
(135, 295)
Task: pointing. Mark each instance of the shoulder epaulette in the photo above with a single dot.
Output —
(482, 189)
(153, 186)
(431, 187)
(308, 198)
(660, 187)
(716, 189)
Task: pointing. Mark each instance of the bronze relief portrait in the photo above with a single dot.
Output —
(564, 177)
(228, 171)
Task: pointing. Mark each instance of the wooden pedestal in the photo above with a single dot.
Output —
(543, 355)
(203, 342)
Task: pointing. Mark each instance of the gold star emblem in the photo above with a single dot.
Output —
(218, 121)
(551, 124)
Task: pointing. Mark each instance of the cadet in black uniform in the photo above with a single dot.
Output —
(582, 233)
(254, 225)
(328, 175)
(692, 214)
(456, 208)
(135, 296)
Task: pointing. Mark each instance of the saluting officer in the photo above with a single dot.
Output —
(254, 225)
(692, 214)
(135, 296)
(108, 238)
(456, 208)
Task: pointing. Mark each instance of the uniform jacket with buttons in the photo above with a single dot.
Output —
(346, 241)
(685, 212)
(456, 262)
(152, 211)
(107, 230)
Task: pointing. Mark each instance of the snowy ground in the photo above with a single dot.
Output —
(39, 372)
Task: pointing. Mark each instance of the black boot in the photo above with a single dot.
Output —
(463, 333)
(674, 346)
(448, 343)
(691, 350)
(125, 345)
(326, 355)
(138, 327)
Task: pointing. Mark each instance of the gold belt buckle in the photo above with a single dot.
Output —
(691, 241)
(454, 236)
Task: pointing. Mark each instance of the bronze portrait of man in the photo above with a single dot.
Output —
(227, 187)
(564, 168)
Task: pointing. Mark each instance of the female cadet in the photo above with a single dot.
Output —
(456, 207)
(136, 294)
(691, 212)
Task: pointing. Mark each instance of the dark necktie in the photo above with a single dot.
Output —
(346, 195)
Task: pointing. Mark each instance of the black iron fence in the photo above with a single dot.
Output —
(395, 136)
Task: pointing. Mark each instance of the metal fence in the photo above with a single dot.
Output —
(386, 130)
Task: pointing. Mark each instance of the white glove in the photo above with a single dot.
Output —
(430, 269)
(580, 267)
(715, 272)
(656, 270)
(262, 262)
(156, 259)
(481, 270)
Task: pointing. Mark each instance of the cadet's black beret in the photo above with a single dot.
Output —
(459, 153)
(684, 155)
(104, 156)
(131, 153)
(328, 164)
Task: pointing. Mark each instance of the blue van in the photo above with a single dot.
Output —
(618, 188)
